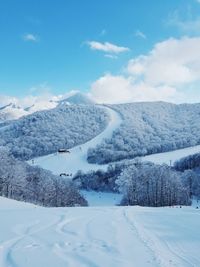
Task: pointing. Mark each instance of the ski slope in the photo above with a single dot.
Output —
(76, 160)
(98, 198)
(170, 157)
(98, 236)
(70, 163)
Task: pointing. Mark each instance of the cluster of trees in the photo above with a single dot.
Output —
(190, 168)
(99, 180)
(20, 181)
(189, 162)
(45, 132)
(191, 180)
(149, 128)
(141, 183)
(147, 184)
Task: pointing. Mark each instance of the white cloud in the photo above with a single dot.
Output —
(172, 62)
(111, 89)
(119, 89)
(5, 100)
(107, 47)
(140, 34)
(165, 73)
(29, 37)
(110, 56)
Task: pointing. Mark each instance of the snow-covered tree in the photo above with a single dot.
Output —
(20, 181)
(149, 128)
(152, 185)
(45, 132)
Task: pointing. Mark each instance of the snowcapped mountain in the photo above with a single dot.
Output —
(11, 112)
(41, 105)
(78, 99)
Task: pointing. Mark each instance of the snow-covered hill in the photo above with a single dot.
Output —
(76, 160)
(98, 236)
(13, 111)
(149, 128)
(45, 132)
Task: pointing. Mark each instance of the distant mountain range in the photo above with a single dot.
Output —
(13, 111)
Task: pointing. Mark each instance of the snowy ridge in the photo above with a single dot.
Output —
(14, 112)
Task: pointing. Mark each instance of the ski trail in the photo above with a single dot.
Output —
(127, 237)
(165, 255)
(61, 227)
(22, 232)
(133, 227)
(96, 237)
(70, 163)
(6, 248)
(74, 251)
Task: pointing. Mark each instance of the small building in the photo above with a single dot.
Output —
(63, 150)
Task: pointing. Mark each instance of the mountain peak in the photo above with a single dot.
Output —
(78, 99)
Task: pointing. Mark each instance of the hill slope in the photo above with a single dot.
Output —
(45, 132)
(150, 128)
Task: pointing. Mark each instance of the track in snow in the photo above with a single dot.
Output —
(95, 237)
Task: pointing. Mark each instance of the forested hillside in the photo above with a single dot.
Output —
(20, 181)
(148, 128)
(47, 131)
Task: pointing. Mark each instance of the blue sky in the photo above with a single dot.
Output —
(78, 45)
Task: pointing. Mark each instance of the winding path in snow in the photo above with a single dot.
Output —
(76, 160)
(70, 163)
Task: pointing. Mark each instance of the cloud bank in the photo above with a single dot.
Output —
(162, 74)
(169, 72)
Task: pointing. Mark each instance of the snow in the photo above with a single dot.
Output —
(103, 234)
(169, 158)
(70, 163)
(11, 112)
(98, 236)
(101, 198)
(76, 160)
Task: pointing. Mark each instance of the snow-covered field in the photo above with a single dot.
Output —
(95, 198)
(170, 157)
(98, 236)
(70, 163)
